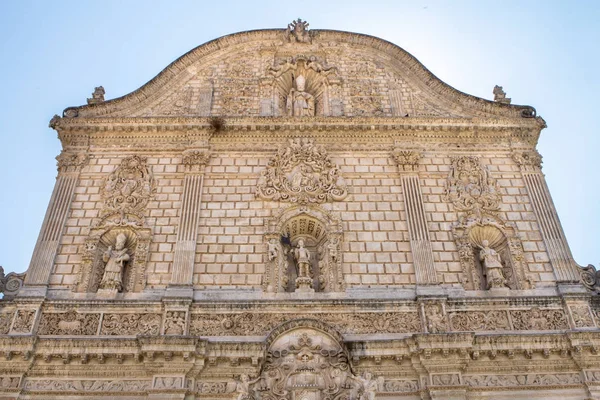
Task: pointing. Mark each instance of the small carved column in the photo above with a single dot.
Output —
(564, 266)
(195, 161)
(408, 164)
(38, 274)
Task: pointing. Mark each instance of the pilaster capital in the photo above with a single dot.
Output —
(407, 160)
(528, 160)
(71, 162)
(195, 159)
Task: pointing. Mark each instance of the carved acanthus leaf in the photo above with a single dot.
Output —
(71, 162)
(195, 159)
(407, 160)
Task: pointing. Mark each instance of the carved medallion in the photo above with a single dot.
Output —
(301, 173)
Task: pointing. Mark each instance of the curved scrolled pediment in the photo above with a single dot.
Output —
(256, 73)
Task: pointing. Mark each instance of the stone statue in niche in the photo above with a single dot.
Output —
(304, 282)
(299, 102)
(115, 260)
(492, 265)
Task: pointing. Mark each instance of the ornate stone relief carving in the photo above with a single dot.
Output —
(301, 172)
(437, 321)
(88, 385)
(522, 380)
(195, 159)
(307, 360)
(5, 321)
(581, 315)
(321, 235)
(537, 319)
(215, 387)
(69, 323)
(126, 192)
(475, 237)
(131, 324)
(175, 322)
(262, 323)
(9, 382)
(407, 160)
(168, 382)
(400, 386)
(470, 187)
(490, 320)
(23, 322)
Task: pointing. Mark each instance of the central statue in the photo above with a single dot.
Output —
(300, 103)
(304, 281)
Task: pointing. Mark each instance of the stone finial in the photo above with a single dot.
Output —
(500, 95)
(298, 32)
(97, 96)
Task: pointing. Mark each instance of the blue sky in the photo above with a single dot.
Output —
(544, 53)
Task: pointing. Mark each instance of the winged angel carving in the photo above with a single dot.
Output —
(301, 173)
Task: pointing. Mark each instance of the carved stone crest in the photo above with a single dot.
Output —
(470, 186)
(126, 191)
(301, 172)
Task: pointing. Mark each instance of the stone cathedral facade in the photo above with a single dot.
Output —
(303, 215)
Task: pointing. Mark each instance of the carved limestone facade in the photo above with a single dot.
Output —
(300, 214)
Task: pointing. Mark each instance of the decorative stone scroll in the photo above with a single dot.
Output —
(301, 172)
(69, 323)
(470, 187)
(262, 323)
(475, 236)
(126, 192)
(131, 324)
(88, 385)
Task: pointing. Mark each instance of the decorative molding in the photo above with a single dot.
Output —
(530, 160)
(195, 159)
(131, 324)
(69, 323)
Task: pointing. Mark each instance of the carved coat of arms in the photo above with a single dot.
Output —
(301, 173)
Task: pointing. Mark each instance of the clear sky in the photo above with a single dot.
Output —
(544, 53)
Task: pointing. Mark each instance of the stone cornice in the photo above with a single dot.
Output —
(180, 131)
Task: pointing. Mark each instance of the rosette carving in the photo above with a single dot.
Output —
(301, 172)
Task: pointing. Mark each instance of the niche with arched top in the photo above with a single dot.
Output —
(95, 251)
(503, 246)
(321, 235)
